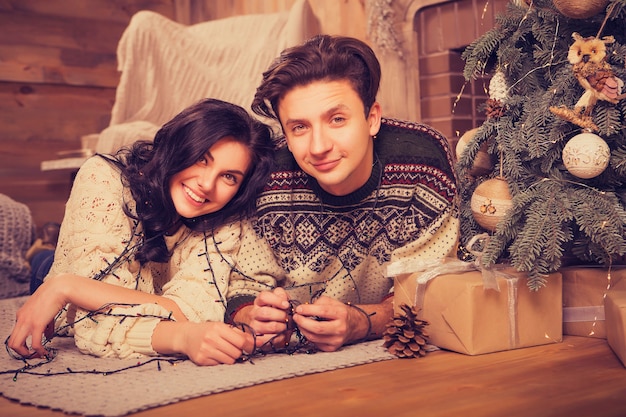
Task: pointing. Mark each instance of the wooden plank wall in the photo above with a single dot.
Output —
(57, 82)
(58, 77)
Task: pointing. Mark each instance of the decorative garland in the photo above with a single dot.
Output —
(380, 26)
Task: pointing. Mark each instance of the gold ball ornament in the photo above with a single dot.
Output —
(490, 202)
(483, 162)
(586, 155)
(580, 9)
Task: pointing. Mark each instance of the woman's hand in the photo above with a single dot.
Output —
(208, 343)
(34, 319)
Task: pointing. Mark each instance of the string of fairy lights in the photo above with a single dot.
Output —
(290, 342)
(32, 364)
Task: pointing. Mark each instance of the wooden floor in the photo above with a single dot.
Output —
(580, 377)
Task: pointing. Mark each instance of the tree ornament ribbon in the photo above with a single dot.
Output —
(430, 269)
(583, 314)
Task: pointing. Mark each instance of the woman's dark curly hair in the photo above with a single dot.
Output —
(147, 168)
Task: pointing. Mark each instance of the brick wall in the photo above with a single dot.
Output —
(447, 101)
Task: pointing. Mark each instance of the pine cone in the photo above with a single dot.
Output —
(405, 336)
(494, 108)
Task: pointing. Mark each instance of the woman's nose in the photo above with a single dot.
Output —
(206, 180)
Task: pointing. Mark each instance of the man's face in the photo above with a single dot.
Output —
(328, 134)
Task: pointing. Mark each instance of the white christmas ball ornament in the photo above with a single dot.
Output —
(490, 202)
(586, 155)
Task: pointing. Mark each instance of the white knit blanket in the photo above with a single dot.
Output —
(166, 66)
(17, 233)
(85, 390)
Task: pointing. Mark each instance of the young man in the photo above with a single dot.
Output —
(350, 193)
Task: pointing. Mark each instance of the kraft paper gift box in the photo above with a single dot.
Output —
(584, 290)
(465, 317)
(615, 314)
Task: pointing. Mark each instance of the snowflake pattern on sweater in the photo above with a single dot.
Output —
(313, 243)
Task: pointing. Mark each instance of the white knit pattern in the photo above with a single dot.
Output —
(95, 231)
(17, 233)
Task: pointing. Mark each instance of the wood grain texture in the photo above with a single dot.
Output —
(58, 74)
(118, 11)
(579, 377)
(37, 122)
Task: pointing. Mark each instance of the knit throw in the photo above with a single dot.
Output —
(166, 66)
(17, 233)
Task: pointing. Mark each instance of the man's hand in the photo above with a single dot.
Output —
(330, 324)
(269, 317)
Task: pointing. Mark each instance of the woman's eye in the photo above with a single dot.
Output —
(231, 178)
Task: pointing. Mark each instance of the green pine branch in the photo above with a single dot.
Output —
(555, 215)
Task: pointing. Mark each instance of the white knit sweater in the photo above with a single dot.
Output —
(95, 231)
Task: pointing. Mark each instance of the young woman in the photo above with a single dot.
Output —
(142, 261)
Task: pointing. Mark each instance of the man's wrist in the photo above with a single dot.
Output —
(242, 314)
(234, 307)
(367, 324)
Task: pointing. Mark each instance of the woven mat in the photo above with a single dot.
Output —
(155, 382)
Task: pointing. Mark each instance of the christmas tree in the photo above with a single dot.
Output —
(544, 177)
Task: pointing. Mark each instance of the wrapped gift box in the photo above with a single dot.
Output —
(615, 313)
(584, 289)
(465, 317)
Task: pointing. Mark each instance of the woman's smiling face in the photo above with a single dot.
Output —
(209, 184)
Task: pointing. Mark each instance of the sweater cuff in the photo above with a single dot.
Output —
(139, 337)
(235, 304)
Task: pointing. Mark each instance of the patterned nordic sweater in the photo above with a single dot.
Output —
(96, 240)
(313, 243)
